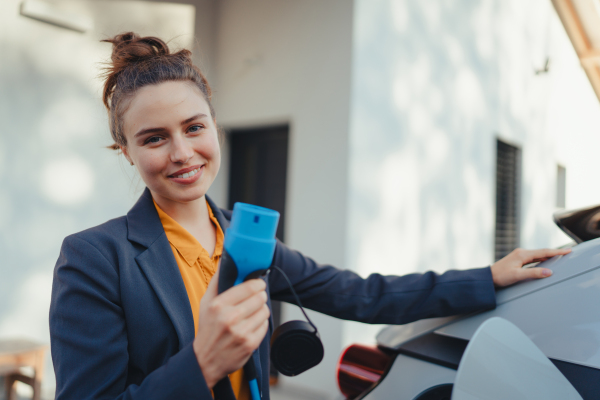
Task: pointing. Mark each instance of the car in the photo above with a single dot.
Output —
(558, 319)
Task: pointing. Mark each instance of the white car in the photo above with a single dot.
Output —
(557, 355)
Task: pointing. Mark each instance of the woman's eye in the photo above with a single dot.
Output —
(195, 128)
(153, 140)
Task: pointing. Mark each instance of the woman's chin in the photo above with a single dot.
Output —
(180, 195)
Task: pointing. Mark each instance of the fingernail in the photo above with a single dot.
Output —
(546, 272)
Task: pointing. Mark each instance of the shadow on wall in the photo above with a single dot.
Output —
(57, 176)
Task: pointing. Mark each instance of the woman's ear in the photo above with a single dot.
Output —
(126, 154)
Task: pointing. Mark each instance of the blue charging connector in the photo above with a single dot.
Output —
(248, 253)
(249, 244)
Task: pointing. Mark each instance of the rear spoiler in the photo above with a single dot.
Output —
(581, 225)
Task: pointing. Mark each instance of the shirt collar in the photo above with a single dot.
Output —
(185, 243)
(220, 234)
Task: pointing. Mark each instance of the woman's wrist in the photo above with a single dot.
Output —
(210, 376)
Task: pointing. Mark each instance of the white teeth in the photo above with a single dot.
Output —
(188, 174)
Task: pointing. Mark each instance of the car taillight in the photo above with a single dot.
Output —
(359, 368)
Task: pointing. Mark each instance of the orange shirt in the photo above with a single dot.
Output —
(197, 268)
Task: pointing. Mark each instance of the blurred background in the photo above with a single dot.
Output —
(394, 136)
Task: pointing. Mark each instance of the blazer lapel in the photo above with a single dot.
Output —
(159, 266)
(222, 219)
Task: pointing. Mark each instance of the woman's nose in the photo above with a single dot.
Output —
(181, 150)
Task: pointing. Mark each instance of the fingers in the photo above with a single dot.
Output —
(256, 321)
(509, 270)
(533, 273)
(242, 307)
(241, 292)
(248, 333)
(258, 334)
(528, 256)
(250, 306)
(233, 325)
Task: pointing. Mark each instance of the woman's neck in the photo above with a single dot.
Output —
(193, 217)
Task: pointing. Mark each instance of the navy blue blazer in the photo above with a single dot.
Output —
(121, 325)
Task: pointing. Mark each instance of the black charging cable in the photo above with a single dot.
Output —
(295, 345)
(298, 302)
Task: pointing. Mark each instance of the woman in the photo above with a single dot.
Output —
(135, 312)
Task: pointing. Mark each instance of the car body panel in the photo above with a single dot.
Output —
(394, 336)
(562, 320)
(501, 362)
(557, 318)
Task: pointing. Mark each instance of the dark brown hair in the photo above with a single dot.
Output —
(140, 61)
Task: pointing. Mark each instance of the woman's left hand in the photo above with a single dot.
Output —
(509, 270)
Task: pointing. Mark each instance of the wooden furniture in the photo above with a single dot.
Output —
(15, 354)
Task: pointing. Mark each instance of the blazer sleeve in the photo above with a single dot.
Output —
(89, 336)
(380, 299)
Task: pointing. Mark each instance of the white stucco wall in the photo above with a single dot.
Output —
(289, 61)
(56, 176)
(394, 108)
(433, 85)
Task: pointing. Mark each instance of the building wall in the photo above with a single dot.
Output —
(56, 176)
(434, 84)
(394, 108)
(289, 61)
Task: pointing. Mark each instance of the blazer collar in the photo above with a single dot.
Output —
(222, 217)
(159, 266)
(144, 225)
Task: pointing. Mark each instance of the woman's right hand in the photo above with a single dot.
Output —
(232, 325)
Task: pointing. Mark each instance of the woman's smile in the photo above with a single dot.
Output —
(187, 176)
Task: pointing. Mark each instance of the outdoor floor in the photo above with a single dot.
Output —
(289, 392)
(281, 392)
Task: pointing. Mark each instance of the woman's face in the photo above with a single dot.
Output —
(172, 140)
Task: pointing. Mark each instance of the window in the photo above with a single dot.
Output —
(508, 196)
(561, 186)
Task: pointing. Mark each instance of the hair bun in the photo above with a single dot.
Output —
(130, 48)
(139, 61)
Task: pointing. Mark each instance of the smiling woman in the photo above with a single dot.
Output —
(135, 312)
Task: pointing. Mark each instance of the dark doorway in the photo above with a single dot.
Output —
(258, 168)
(258, 175)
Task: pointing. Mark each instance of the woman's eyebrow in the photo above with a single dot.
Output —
(197, 116)
(154, 130)
(149, 130)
